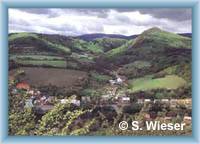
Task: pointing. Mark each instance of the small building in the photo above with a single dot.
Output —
(72, 101)
(173, 103)
(119, 80)
(14, 91)
(147, 116)
(29, 103)
(187, 119)
(112, 82)
(140, 101)
(147, 100)
(105, 97)
(64, 101)
(76, 102)
(85, 99)
(31, 92)
(124, 99)
(165, 100)
(23, 85)
(156, 100)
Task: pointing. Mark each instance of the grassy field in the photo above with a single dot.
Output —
(147, 83)
(58, 77)
(34, 57)
(53, 63)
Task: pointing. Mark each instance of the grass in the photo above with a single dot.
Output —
(87, 46)
(147, 83)
(81, 57)
(51, 63)
(120, 50)
(35, 57)
(183, 70)
(137, 64)
(156, 38)
(54, 46)
(100, 77)
(21, 35)
(109, 43)
(58, 47)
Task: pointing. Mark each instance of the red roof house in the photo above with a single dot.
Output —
(23, 85)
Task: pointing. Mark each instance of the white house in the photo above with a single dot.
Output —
(156, 100)
(147, 100)
(124, 99)
(140, 101)
(112, 82)
(63, 101)
(164, 100)
(119, 80)
(76, 102)
(73, 101)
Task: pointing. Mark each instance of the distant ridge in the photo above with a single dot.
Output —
(90, 37)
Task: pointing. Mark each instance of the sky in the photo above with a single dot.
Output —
(109, 21)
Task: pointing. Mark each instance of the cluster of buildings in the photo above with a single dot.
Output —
(172, 102)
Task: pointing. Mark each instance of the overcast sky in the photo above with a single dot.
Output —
(109, 21)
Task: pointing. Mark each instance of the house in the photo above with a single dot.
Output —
(29, 103)
(64, 101)
(119, 80)
(165, 100)
(105, 97)
(31, 92)
(173, 103)
(14, 91)
(71, 101)
(147, 116)
(147, 100)
(23, 85)
(112, 82)
(156, 100)
(76, 102)
(187, 119)
(124, 99)
(140, 101)
(187, 101)
(85, 99)
(49, 100)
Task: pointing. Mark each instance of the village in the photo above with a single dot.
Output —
(42, 103)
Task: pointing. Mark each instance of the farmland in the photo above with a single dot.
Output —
(168, 82)
(86, 85)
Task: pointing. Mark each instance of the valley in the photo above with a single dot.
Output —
(93, 82)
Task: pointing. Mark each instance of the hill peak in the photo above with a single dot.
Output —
(153, 29)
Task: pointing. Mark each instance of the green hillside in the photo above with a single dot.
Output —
(24, 40)
(156, 38)
(147, 83)
(109, 43)
(119, 50)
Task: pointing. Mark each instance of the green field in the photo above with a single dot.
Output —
(34, 57)
(147, 83)
(53, 63)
